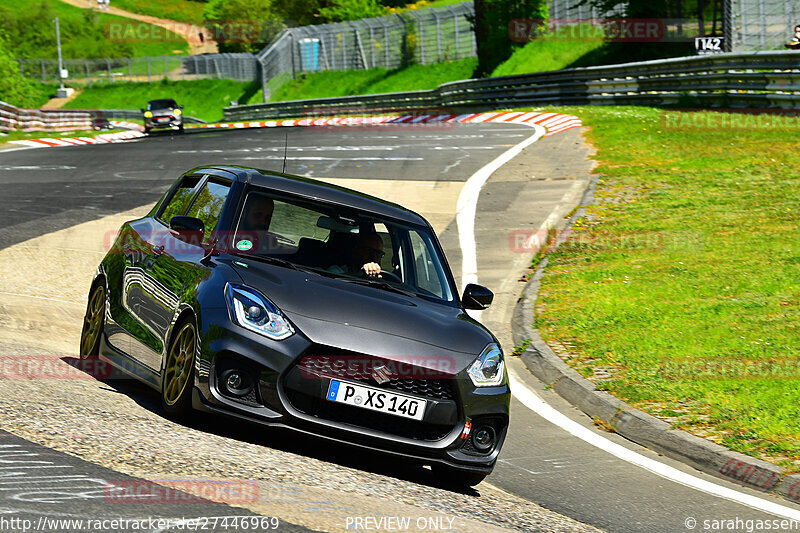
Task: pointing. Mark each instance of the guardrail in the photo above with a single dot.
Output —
(15, 119)
(755, 79)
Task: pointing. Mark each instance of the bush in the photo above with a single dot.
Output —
(14, 88)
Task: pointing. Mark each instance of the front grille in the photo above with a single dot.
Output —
(364, 418)
(358, 368)
(306, 387)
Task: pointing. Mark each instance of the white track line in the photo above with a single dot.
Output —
(534, 402)
(468, 202)
(465, 218)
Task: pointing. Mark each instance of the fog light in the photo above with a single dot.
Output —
(236, 383)
(483, 438)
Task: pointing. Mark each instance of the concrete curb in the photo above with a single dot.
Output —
(633, 424)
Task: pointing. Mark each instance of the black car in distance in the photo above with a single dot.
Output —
(290, 302)
(162, 113)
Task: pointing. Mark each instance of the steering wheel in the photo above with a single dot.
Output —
(385, 274)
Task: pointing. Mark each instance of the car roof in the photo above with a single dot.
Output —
(319, 190)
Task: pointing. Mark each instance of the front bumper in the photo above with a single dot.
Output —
(281, 397)
(163, 122)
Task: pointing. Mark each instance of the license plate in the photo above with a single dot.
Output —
(376, 399)
(162, 120)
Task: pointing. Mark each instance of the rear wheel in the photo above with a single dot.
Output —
(176, 385)
(146, 129)
(93, 322)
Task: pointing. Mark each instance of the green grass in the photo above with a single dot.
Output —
(190, 11)
(682, 280)
(373, 81)
(84, 33)
(203, 99)
(551, 52)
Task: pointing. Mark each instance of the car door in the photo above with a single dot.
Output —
(148, 302)
(177, 268)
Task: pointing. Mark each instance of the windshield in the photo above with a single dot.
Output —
(154, 105)
(342, 242)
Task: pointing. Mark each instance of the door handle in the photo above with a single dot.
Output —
(158, 250)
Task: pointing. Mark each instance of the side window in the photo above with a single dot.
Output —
(427, 276)
(208, 205)
(180, 199)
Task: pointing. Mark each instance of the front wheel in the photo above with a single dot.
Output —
(93, 322)
(176, 385)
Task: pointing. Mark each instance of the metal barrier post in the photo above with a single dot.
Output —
(108, 65)
(438, 35)
(166, 68)
(149, 76)
(405, 40)
(88, 75)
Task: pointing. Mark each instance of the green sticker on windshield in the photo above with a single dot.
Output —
(244, 245)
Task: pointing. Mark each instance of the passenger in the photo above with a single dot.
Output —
(364, 254)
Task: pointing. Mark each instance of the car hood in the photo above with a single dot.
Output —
(164, 110)
(366, 319)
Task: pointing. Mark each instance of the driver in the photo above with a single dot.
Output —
(254, 224)
(364, 255)
(259, 213)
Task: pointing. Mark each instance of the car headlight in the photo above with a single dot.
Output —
(488, 370)
(255, 312)
(177, 112)
(148, 114)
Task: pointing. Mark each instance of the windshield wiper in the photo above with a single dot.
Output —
(378, 284)
(278, 261)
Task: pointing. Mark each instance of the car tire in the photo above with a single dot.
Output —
(93, 322)
(178, 377)
(459, 478)
(180, 128)
(147, 130)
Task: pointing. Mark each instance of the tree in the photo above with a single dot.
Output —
(491, 23)
(14, 88)
(242, 25)
(341, 10)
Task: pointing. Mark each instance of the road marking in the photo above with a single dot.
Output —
(468, 202)
(535, 403)
(465, 218)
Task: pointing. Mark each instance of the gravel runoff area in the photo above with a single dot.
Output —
(306, 481)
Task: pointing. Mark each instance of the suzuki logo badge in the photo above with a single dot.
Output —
(381, 374)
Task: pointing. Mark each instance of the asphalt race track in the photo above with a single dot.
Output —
(97, 430)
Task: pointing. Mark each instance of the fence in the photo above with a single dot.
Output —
(758, 79)
(762, 24)
(243, 67)
(422, 36)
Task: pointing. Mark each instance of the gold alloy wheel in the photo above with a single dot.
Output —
(179, 364)
(93, 321)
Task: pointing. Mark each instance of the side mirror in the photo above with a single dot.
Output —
(181, 106)
(141, 110)
(188, 229)
(476, 297)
